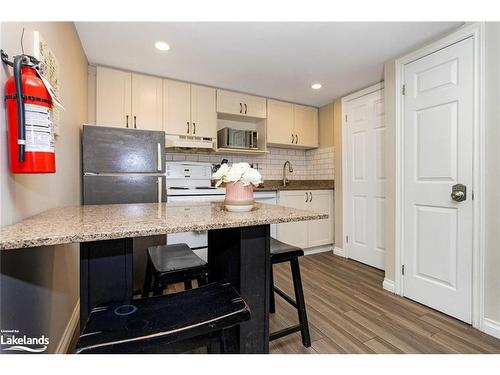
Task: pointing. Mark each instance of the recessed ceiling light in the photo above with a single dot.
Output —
(162, 46)
(316, 86)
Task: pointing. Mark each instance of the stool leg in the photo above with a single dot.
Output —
(272, 303)
(299, 298)
(188, 285)
(147, 280)
(157, 289)
(203, 280)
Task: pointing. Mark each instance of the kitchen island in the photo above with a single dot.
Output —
(238, 247)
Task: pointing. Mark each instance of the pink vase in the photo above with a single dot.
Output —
(239, 198)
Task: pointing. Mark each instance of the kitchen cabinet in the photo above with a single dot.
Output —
(305, 126)
(113, 97)
(307, 234)
(280, 122)
(189, 109)
(292, 125)
(147, 100)
(234, 103)
(128, 100)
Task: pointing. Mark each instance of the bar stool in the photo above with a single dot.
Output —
(168, 264)
(174, 323)
(280, 253)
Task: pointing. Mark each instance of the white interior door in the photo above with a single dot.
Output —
(437, 149)
(365, 129)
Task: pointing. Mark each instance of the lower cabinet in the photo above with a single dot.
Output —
(306, 234)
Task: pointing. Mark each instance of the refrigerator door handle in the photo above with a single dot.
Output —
(158, 153)
(160, 189)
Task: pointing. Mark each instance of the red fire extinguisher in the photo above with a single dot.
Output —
(29, 118)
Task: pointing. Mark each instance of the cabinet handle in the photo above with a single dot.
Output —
(307, 197)
(296, 139)
(311, 195)
(293, 139)
(194, 127)
(127, 120)
(245, 108)
(135, 122)
(187, 127)
(241, 108)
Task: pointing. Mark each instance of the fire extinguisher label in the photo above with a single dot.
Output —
(39, 128)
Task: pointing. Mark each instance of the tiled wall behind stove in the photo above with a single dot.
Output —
(314, 164)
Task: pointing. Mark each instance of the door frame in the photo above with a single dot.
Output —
(476, 32)
(346, 188)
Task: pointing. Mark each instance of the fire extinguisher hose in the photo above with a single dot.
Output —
(21, 127)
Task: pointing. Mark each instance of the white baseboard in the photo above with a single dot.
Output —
(491, 327)
(62, 347)
(338, 251)
(388, 285)
(317, 250)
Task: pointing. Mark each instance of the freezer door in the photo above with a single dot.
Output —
(115, 150)
(123, 189)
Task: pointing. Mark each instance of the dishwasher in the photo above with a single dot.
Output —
(268, 197)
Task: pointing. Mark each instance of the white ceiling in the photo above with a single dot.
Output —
(277, 59)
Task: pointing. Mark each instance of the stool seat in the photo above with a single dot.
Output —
(155, 324)
(283, 252)
(172, 258)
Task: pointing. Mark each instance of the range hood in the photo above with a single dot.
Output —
(180, 141)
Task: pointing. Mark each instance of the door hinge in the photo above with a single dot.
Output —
(403, 269)
(345, 118)
(472, 194)
(346, 239)
(403, 90)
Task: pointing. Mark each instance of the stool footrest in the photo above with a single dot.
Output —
(286, 297)
(284, 332)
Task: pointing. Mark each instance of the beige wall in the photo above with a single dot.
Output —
(492, 199)
(40, 287)
(330, 133)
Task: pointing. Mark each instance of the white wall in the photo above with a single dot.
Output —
(39, 288)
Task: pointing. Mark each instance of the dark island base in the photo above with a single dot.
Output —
(237, 255)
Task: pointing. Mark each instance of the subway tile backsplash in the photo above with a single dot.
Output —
(316, 164)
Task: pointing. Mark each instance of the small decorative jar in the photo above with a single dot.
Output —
(239, 198)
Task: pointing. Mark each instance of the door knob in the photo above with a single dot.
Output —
(458, 192)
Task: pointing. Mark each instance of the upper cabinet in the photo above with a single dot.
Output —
(189, 109)
(291, 125)
(113, 97)
(128, 100)
(147, 98)
(234, 103)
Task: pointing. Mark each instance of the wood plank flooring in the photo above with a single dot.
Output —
(349, 312)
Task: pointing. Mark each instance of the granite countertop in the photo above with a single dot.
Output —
(105, 222)
(275, 185)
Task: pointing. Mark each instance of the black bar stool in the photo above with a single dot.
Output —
(168, 264)
(280, 253)
(174, 323)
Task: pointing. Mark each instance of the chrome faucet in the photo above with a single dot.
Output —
(290, 169)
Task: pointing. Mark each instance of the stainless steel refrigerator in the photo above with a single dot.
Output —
(125, 166)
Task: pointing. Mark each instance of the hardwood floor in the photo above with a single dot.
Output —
(349, 312)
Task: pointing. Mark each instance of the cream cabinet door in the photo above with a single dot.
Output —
(320, 231)
(280, 122)
(147, 101)
(113, 97)
(234, 103)
(293, 233)
(230, 103)
(176, 107)
(306, 125)
(254, 106)
(203, 111)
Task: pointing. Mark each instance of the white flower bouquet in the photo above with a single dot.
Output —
(239, 180)
(238, 172)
